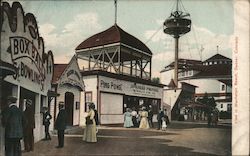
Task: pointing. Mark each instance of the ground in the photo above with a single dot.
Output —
(181, 138)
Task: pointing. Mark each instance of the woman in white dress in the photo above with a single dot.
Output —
(128, 118)
(164, 124)
(90, 129)
(144, 119)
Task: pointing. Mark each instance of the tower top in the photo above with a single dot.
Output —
(115, 11)
(179, 22)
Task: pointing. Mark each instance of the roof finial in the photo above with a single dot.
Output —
(177, 5)
(115, 11)
(217, 49)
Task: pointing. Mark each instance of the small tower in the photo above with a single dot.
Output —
(178, 24)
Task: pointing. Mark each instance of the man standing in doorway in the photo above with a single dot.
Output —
(29, 117)
(60, 125)
(13, 122)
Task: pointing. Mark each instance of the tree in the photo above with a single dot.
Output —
(208, 101)
(156, 80)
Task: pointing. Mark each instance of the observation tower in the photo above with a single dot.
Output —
(176, 25)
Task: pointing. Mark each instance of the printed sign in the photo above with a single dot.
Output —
(22, 46)
(129, 88)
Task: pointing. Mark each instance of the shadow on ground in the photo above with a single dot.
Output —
(183, 125)
(116, 142)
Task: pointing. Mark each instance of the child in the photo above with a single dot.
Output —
(164, 124)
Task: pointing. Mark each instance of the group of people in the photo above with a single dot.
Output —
(213, 116)
(20, 124)
(144, 118)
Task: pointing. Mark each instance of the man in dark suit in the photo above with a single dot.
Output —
(13, 122)
(60, 125)
(46, 122)
(150, 117)
(160, 115)
(29, 116)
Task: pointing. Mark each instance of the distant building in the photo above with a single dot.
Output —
(212, 76)
(117, 75)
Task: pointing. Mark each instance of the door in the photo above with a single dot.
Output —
(69, 104)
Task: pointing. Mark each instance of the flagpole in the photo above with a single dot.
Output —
(115, 11)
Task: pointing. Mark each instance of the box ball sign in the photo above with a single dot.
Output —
(24, 48)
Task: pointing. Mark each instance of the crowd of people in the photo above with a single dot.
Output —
(143, 119)
(19, 124)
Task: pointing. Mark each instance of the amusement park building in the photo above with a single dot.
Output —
(26, 68)
(212, 76)
(118, 74)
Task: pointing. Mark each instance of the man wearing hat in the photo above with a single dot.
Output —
(29, 117)
(60, 125)
(46, 122)
(13, 122)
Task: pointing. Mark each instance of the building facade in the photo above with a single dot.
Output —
(212, 77)
(113, 93)
(117, 74)
(68, 85)
(23, 48)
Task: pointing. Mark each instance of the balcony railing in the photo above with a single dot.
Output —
(124, 71)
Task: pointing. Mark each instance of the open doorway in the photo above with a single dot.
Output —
(69, 105)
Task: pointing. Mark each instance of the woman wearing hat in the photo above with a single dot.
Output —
(144, 119)
(128, 119)
(90, 129)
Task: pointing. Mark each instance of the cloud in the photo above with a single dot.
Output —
(63, 42)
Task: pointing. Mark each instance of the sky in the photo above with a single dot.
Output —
(65, 24)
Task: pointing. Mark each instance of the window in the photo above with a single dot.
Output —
(221, 105)
(223, 87)
(183, 74)
(229, 107)
(190, 73)
(77, 105)
(88, 98)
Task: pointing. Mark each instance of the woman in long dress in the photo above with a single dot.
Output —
(144, 119)
(90, 129)
(128, 119)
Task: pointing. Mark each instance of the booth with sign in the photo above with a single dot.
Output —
(117, 73)
(113, 93)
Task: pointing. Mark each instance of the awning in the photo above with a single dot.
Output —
(6, 69)
(52, 93)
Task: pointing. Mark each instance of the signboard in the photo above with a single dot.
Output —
(129, 88)
(22, 47)
(72, 75)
